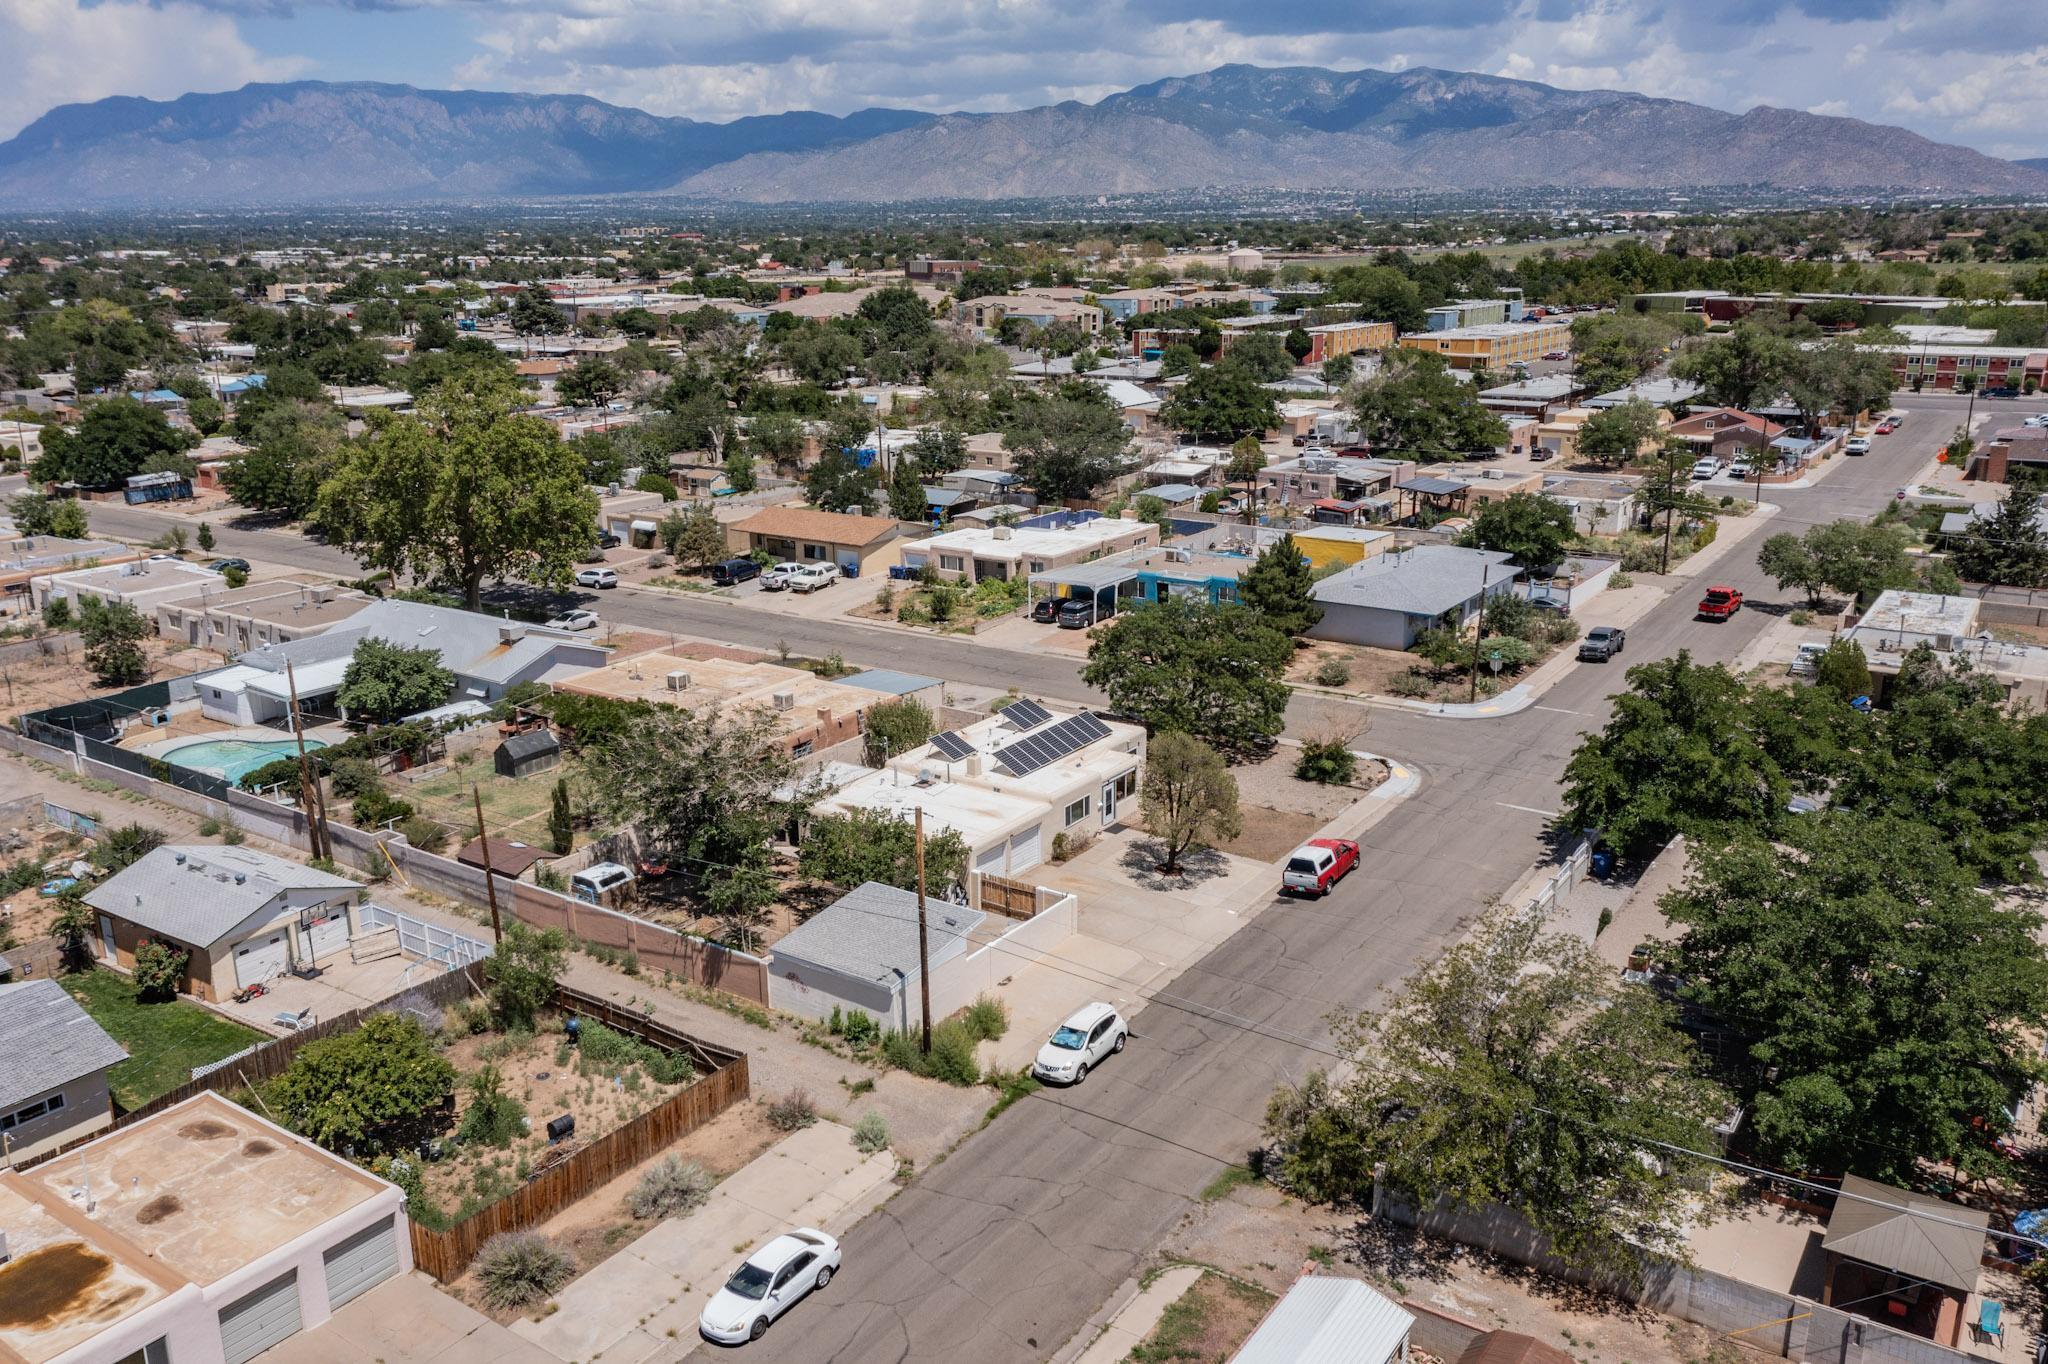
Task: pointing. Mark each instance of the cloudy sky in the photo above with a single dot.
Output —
(1967, 71)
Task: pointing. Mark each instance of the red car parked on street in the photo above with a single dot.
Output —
(1317, 865)
(1720, 603)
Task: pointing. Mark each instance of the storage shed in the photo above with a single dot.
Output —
(523, 755)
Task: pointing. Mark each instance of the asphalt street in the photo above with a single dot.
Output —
(1003, 1250)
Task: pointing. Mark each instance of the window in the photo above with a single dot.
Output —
(952, 563)
(1127, 785)
(801, 749)
(28, 1113)
(1077, 812)
(1038, 565)
(815, 552)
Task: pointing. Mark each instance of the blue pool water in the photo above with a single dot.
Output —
(230, 758)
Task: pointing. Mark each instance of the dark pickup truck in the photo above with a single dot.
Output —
(1602, 642)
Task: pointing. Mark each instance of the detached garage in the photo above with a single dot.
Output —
(244, 916)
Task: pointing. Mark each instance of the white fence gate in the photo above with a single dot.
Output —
(424, 941)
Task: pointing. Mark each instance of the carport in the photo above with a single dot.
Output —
(1103, 581)
(1442, 494)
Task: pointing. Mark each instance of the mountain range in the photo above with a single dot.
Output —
(1237, 127)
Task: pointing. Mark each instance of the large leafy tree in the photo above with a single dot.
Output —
(469, 489)
(1855, 558)
(851, 847)
(1888, 1002)
(1613, 350)
(113, 633)
(116, 438)
(293, 447)
(1618, 435)
(693, 535)
(1222, 403)
(1514, 1072)
(535, 313)
(379, 1087)
(36, 514)
(1747, 366)
(386, 682)
(592, 382)
(1208, 670)
(1280, 586)
(1067, 443)
(837, 483)
(1682, 753)
(1536, 529)
(1262, 355)
(1415, 407)
(1188, 797)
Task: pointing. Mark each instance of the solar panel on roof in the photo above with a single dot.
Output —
(952, 745)
(1026, 713)
(1036, 750)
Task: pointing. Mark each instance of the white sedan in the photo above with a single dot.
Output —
(574, 620)
(768, 1283)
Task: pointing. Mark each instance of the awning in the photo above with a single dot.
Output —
(641, 527)
(1093, 577)
(1432, 486)
(315, 679)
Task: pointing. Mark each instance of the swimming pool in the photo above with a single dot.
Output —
(230, 758)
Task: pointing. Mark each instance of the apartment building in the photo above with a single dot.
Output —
(1492, 345)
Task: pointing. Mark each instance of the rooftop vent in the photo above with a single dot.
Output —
(679, 680)
(511, 634)
(785, 700)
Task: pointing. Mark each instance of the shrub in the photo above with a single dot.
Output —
(425, 834)
(871, 1134)
(913, 611)
(669, 1188)
(519, 1268)
(235, 577)
(520, 975)
(792, 1112)
(1801, 617)
(1329, 761)
(656, 483)
(951, 1058)
(159, 968)
(1332, 672)
(57, 613)
(353, 777)
(858, 1028)
(1410, 683)
(493, 1117)
(988, 1019)
(1620, 581)
(375, 807)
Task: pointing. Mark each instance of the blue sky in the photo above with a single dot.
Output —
(1969, 71)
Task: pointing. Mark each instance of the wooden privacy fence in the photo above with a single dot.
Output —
(271, 1059)
(445, 1254)
(1011, 899)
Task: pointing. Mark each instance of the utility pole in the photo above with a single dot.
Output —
(924, 960)
(1479, 630)
(309, 790)
(483, 841)
(1670, 510)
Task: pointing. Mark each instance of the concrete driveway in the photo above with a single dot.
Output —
(407, 1320)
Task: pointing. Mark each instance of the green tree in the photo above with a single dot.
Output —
(1338, 369)
(592, 381)
(1618, 435)
(206, 540)
(776, 437)
(740, 476)
(2009, 547)
(387, 682)
(1299, 345)
(836, 483)
(469, 489)
(75, 926)
(1537, 530)
(1790, 562)
(852, 847)
(821, 355)
(1247, 458)
(1515, 1072)
(1066, 443)
(1188, 797)
(1855, 558)
(114, 440)
(159, 971)
(521, 972)
(693, 535)
(1887, 998)
(36, 514)
(1209, 670)
(1280, 586)
(1222, 403)
(535, 313)
(1416, 408)
(1177, 358)
(906, 491)
(1747, 366)
(561, 819)
(293, 448)
(1682, 753)
(113, 633)
(1842, 669)
(892, 728)
(1262, 355)
(1613, 350)
(939, 450)
(379, 1087)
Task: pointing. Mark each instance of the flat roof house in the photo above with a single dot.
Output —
(806, 535)
(1386, 601)
(814, 715)
(141, 583)
(1492, 345)
(233, 620)
(1018, 551)
(1599, 506)
(1954, 627)
(243, 915)
(53, 1070)
(200, 1235)
(991, 312)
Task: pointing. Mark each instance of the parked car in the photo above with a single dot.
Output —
(1603, 642)
(223, 565)
(600, 880)
(1740, 469)
(1889, 425)
(1706, 468)
(733, 571)
(811, 577)
(1719, 603)
(768, 1283)
(1077, 613)
(1091, 1034)
(2038, 419)
(1858, 445)
(2002, 391)
(578, 619)
(1806, 659)
(777, 578)
(607, 540)
(1557, 355)
(1046, 610)
(1317, 865)
(597, 577)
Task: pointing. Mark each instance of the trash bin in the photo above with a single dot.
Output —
(1603, 864)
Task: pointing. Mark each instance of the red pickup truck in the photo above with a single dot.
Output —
(1720, 603)
(1319, 864)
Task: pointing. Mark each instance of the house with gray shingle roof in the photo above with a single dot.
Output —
(1389, 599)
(53, 1069)
(245, 916)
(860, 952)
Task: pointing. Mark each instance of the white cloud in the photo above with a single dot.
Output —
(62, 53)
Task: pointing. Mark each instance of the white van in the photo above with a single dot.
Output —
(600, 883)
(1706, 468)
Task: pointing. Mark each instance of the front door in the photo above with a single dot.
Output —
(107, 938)
(1108, 803)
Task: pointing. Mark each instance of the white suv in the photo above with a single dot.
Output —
(811, 577)
(1094, 1033)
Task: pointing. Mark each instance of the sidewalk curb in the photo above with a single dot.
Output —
(1114, 1338)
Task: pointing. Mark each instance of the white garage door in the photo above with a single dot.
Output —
(1024, 854)
(329, 935)
(253, 1324)
(263, 957)
(363, 1261)
(990, 862)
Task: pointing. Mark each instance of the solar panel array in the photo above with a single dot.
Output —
(952, 745)
(1026, 713)
(1035, 750)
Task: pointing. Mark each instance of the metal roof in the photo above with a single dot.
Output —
(870, 933)
(1426, 580)
(1328, 1320)
(1432, 485)
(198, 893)
(1897, 1230)
(47, 1041)
(1111, 572)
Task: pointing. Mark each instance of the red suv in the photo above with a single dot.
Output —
(1720, 603)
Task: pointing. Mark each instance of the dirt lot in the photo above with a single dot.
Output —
(59, 676)
(27, 914)
(1280, 810)
(1208, 1322)
(1261, 1235)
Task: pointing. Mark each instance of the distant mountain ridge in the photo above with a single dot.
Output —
(1244, 127)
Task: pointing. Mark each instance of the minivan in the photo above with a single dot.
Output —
(1077, 613)
(600, 882)
(734, 571)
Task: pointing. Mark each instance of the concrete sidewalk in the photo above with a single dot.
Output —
(1134, 1321)
(407, 1320)
(643, 1302)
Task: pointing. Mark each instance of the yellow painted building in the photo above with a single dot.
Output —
(1333, 546)
(1492, 345)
